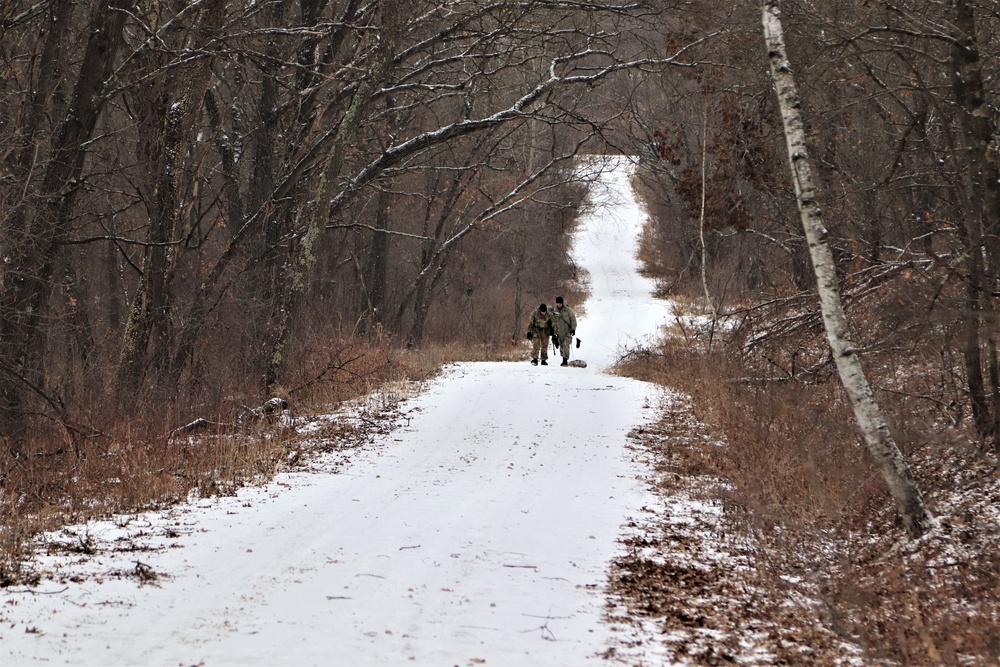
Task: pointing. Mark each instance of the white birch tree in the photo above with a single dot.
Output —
(909, 501)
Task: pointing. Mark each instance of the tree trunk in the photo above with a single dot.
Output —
(51, 62)
(980, 194)
(307, 255)
(148, 319)
(378, 265)
(893, 466)
(168, 105)
(40, 233)
(517, 334)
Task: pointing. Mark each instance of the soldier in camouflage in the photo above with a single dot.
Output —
(564, 327)
(539, 330)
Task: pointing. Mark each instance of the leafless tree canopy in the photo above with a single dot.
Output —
(207, 203)
(193, 191)
(199, 197)
(899, 102)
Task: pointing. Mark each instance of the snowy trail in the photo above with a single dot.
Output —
(480, 532)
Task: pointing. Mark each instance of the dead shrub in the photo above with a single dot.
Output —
(805, 488)
(134, 462)
(791, 452)
(127, 461)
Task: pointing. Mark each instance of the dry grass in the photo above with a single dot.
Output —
(697, 572)
(801, 487)
(138, 461)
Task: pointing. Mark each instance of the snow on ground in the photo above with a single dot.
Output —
(479, 531)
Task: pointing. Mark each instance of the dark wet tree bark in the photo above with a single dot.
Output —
(34, 235)
(980, 194)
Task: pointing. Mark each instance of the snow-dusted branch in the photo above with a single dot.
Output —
(519, 109)
(871, 422)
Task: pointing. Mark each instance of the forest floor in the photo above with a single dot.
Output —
(694, 579)
(713, 590)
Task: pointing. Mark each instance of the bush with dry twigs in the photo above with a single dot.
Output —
(801, 487)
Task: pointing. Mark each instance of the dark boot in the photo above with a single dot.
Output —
(534, 362)
(544, 363)
(565, 362)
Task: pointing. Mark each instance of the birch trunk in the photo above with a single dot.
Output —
(909, 502)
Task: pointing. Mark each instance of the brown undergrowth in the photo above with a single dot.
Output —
(826, 566)
(696, 572)
(147, 458)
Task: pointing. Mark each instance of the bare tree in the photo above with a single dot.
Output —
(980, 193)
(895, 471)
(218, 161)
(34, 234)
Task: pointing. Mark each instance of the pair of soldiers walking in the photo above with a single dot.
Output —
(559, 323)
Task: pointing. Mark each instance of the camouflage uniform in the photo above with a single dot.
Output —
(564, 328)
(539, 330)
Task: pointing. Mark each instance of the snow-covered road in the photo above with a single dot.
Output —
(479, 532)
